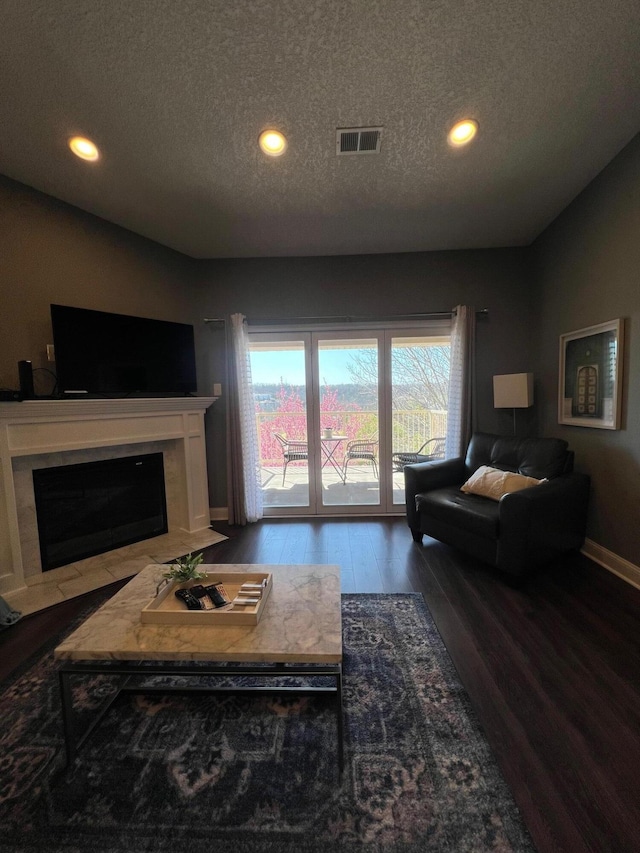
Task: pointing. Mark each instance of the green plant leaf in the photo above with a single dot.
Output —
(186, 568)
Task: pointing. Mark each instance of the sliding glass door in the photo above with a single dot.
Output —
(280, 370)
(348, 371)
(336, 410)
(419, 392)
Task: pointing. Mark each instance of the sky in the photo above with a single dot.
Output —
(267, 368)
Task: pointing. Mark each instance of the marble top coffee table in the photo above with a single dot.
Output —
(300, 633)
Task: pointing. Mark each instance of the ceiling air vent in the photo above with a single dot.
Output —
(358, 140)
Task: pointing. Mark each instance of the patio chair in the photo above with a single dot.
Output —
(360, 449)
(292, 451)
(430, 450)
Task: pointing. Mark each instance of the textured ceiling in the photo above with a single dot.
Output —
(175, 93)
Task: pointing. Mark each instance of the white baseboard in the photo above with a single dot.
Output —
(218, 513)
(612, 562)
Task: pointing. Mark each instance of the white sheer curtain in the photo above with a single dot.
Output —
(461, 381)
(243, 452)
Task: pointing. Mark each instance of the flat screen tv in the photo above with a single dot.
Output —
(103, 354)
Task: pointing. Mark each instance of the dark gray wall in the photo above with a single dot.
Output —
(583, 270)
(53, 252)
(384, 286)
(587, 271)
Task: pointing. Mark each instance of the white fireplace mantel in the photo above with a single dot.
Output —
(36, 427)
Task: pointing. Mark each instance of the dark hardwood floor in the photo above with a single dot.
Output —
(552, 669)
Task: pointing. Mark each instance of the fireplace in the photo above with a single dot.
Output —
(38, 434)
(94, 507)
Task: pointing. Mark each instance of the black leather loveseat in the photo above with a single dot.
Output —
(520, 531)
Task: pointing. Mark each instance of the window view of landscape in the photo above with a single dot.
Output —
(419, 391)
(348, 404)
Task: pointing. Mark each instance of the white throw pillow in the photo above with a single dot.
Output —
(494, 483)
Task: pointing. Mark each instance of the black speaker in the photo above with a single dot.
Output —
(25, 373)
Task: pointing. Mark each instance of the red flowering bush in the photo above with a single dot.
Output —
(290, 420)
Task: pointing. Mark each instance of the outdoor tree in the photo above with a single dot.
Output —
(420, 375)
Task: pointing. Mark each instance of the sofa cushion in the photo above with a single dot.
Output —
(494, 483)
(468, 512)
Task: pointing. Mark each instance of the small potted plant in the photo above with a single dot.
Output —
(185, 569)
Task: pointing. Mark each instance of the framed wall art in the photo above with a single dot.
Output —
(590, 386)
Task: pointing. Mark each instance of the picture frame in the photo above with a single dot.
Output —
(590, 376)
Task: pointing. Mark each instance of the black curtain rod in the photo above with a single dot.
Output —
(262, 321)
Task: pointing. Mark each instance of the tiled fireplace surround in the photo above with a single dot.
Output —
(46, 433)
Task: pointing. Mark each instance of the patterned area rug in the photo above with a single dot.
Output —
(245, 774)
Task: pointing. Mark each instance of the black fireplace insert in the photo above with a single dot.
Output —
(93, 507)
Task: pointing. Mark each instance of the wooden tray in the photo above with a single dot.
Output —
(166, 609)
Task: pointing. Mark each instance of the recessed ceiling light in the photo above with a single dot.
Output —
(272, 142)
(84, 148)
(463, 132)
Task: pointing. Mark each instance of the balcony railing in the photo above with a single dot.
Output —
(410, 428)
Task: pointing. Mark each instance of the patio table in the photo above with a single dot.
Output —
(329, 448)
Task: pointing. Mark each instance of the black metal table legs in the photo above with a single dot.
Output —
(127, 670)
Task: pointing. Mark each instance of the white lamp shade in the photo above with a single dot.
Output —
(513, 391)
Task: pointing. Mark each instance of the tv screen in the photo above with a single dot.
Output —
(116, 355)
